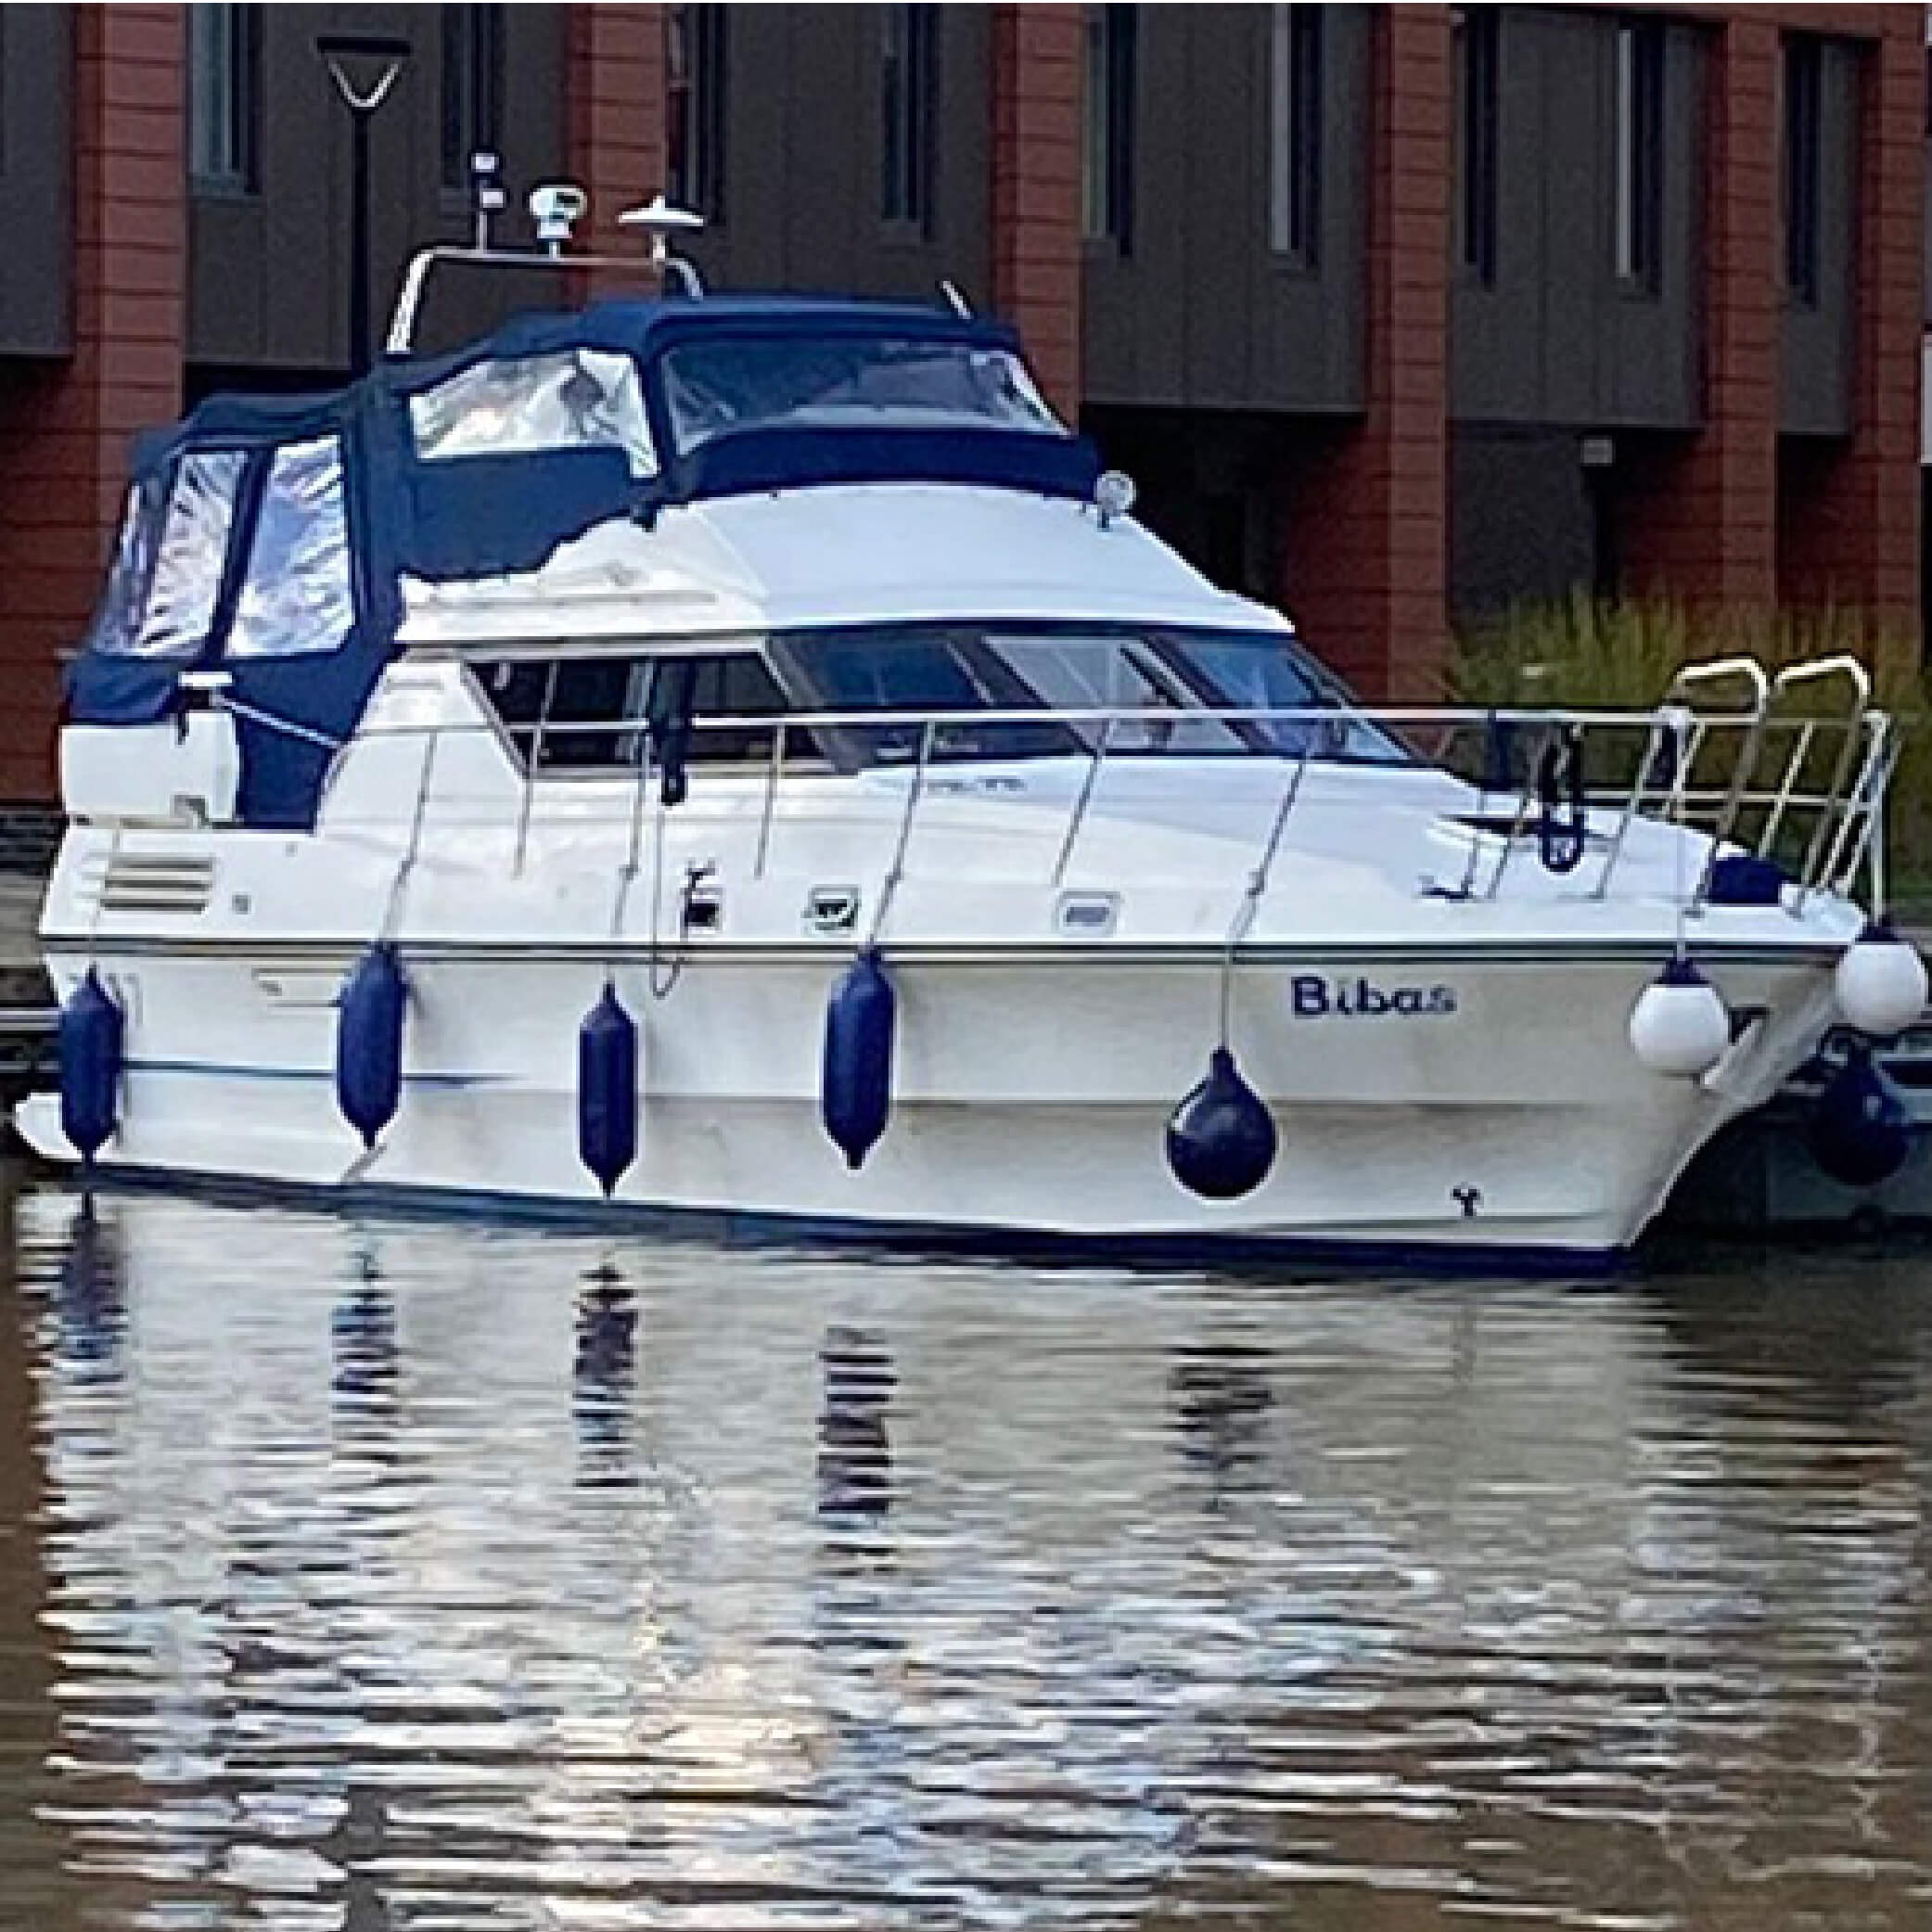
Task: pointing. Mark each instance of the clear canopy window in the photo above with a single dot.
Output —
(117, 619)
(167, 570)
(714, 386)
(1180, 674)
(297, 598)
(578, 399)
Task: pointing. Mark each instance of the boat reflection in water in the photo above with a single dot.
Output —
(605, 1377)
(398, 1576)
(856, 1445)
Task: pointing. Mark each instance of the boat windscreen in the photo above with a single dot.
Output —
(729, 383)
(576, 399)
(1183, 674)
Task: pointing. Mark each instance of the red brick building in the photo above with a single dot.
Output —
(1391, 310)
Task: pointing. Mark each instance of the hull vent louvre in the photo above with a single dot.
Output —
(135, 883)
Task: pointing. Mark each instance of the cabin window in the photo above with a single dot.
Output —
(895, 669)
(1075, 673)
(297, 598)
(712, 387)
(167, 572)
(578, 399)
(600, 714)
(927, 667)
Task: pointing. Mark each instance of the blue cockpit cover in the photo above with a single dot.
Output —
(278, 531)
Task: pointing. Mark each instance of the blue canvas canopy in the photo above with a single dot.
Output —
(267, 537)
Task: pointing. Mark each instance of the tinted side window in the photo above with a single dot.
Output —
(598, 713)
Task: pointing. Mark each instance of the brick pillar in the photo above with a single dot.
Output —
(1037, 52)
(65, 429)
(1851, 534)
(614, 118)
(1366, 548)
(1696, 515)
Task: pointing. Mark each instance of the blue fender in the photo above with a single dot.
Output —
(1221, 1140)
(607, 1090)
(93, 1040)
(369, 1042)
(855, 1085)
(1859, 1132)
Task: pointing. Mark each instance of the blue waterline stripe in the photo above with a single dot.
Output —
(225, 1070)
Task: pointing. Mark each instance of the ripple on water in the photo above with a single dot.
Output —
(410, 1575)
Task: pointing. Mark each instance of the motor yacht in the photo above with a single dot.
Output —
(743, 758)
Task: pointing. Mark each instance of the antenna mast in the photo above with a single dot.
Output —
(660, 221)
(555, 208)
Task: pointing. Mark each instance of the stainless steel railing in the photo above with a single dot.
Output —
(1805, 791)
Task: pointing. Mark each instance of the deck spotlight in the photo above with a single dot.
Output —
(1113, 496)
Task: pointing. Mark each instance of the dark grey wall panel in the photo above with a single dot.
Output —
(37, 180)
(803, 138)
(1225, 197)
(1199, 309)
(269, 277)
(1521, 522)
(1817, 345)
(1133, 308)
(1309, 348)
(1214, 483)
(1554, 337)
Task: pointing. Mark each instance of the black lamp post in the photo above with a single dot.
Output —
(380, 57)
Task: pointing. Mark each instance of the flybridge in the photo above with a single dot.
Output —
(265, 539)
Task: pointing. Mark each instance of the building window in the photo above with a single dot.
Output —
(694, 71)
(1640, 151)
(225, 97)
(1295, 132)
(1803, 161)
(907, 87)
(472, 90)
(1478, 60)
(1106, 152)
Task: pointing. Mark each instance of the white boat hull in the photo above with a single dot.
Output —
(716, 734)
(1497, 1106)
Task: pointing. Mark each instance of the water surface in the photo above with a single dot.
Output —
(401, 1576)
